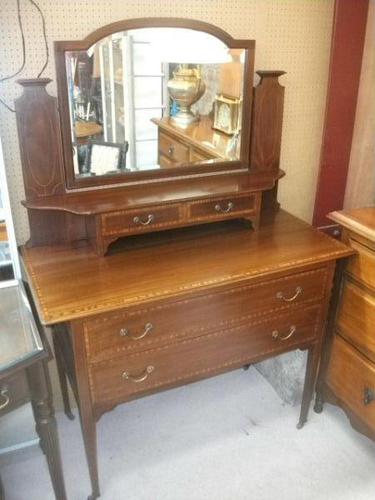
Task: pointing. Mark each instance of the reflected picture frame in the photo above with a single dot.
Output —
(104, 158)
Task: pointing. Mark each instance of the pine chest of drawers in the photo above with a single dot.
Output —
(176, 307)
(348, 374)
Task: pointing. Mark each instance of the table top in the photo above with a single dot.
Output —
(19, 337)
(70, 283)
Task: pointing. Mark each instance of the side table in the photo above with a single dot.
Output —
(24, 376)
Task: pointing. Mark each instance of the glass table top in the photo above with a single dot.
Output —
(19, 336)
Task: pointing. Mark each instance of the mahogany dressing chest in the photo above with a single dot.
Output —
(211, 276)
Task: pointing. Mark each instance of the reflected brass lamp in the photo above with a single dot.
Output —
(186, 87)
(189, 49)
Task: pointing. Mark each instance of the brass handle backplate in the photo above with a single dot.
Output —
(139, 221)
(220, 209)
(4, 398)
(368, 396)
(281, 296)
(138, 378)
(124, 332)
(171, 150)
(292, 331)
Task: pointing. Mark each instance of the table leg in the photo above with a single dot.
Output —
(41, 397)
(63, 380)
(310, 379)
(88, 426)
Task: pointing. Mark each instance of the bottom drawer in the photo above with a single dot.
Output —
(351, 377)
(197, 358)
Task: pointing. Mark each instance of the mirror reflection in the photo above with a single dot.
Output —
(154, 98)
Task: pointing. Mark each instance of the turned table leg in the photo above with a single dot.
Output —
(41, 397)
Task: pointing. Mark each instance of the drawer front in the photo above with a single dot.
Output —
(229, 206)
(198, 156)
(172, 149)
(362, 265)
(139, 329)
(356, 318)
(193, 359)
(166, 162)
(352, 379)
(13, 392)
(139, 220)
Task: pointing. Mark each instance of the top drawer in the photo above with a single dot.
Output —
(362, 265)
(230, 206)
(123, 222)
(140, 329)
(173, 149)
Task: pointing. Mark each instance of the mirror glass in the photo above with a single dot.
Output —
(154, 98)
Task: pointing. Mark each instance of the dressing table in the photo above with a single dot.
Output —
(207, 275)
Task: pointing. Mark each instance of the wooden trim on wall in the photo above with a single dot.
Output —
(348, 35)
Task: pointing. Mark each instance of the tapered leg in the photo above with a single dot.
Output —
(63, 381)
(88, 425)
(310, 378)
(40, 390)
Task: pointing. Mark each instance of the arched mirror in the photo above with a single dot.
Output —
(153, 98)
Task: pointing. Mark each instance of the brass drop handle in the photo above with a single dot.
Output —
(4, 401)
(138, 220)
(138, 378)
(276, 334)
(281, 296)
(171, 150)
(219, 208)
(124, 332)
(368, 396)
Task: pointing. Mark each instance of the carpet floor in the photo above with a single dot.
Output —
(226, 438)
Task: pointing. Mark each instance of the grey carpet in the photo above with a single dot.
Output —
(227, 438)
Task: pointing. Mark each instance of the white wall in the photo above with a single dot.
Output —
(292, 35)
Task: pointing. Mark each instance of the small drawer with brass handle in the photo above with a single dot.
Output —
(141, 377)
(172, 148)
(124, 332)
(135, 221)
(4, 398)
(218, 208)
(276, 335)
(280, 295)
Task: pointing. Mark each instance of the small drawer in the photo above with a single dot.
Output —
(362, 265)
(131, 330)
(14, 392)
(173, 149)
(228, 206)
(352, 379)
(193, 359)
(139, 220)
(356, 318)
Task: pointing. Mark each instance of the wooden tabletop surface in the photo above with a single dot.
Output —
(71, 283)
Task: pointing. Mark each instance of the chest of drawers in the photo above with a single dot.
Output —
(182, 306)
(348, 375)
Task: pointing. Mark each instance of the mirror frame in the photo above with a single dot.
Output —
(132, 178)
